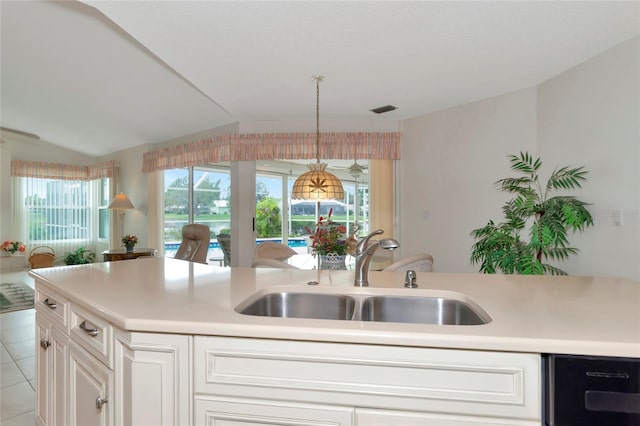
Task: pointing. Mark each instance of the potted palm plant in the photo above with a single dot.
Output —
(499, 248)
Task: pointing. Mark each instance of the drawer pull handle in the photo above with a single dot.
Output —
(93, 332)
(44, 343)
(50, 304)
(100, 401)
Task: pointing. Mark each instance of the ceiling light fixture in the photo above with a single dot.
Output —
(356, 169)
(317, 184)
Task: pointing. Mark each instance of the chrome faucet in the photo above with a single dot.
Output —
(364, 252)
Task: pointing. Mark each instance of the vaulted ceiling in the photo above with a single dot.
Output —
(101, 76)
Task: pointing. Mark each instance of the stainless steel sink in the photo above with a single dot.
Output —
(365, 307)
(300, 305)
(421, 310)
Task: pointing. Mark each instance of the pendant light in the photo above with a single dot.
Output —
(317, 184)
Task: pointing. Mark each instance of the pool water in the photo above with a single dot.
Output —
(298, 244)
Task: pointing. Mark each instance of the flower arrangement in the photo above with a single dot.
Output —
(329, 237)
(129, 240)
(12, 247)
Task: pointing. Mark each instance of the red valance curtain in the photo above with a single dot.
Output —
(269, 146)
(44, 170)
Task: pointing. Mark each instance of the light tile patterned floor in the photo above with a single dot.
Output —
(17, 362)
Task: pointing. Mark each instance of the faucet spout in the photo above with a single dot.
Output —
(364, 253)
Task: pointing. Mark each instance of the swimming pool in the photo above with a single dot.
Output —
(298, 244)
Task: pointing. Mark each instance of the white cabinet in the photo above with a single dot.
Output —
(91, 373)
(51, 358)
(384, 385)
(13, 263)
(153, 372)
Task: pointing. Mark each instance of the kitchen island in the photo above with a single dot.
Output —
(158, 341)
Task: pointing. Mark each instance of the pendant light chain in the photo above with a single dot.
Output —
(317, 184)
(318, 79)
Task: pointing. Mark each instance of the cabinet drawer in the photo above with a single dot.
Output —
(53, 306)
(423, 379)
(92, 333)
(249, 412)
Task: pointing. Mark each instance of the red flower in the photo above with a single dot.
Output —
(328, 237)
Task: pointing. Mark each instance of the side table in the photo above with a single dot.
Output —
(123, 254)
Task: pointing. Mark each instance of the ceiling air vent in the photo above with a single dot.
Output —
(383, 109)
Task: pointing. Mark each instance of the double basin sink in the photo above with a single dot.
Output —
(366, 307)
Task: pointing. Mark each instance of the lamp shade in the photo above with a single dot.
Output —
(317, 185)
(120, 202)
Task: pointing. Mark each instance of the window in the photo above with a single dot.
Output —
(282, 219)
(63, 213)
(104, 197)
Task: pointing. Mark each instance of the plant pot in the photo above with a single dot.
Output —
(333, 261)
(129, 249)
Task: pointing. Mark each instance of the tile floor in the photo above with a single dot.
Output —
(17, 362)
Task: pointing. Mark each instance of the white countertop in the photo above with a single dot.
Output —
(571, 315)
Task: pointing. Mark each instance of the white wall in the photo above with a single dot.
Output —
(587, 116)
(591, 115)
(450, 160)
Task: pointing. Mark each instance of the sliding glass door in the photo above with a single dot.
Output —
(196, 195)
(281, 219)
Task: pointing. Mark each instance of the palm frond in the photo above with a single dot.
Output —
(560, 253)
(566, 178)
(515, 185)
(552, 270)
(525, 163)
(529, 265)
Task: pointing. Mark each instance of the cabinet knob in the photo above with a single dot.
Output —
(44, 343)
(100, 401)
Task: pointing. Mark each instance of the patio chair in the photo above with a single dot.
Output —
(273, 250)
(225, 245)
(195, 243)
(271, 263)
(419, 263)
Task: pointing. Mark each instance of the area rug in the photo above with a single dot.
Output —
(15, 296)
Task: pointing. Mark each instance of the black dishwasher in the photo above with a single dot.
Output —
(586, 391)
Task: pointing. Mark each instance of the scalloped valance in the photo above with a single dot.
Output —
(275, 146)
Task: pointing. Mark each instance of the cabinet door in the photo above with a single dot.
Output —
(58, 376)
(42, 372)
(90, 389)
(372, 417)
(236, 412)
(51, 374)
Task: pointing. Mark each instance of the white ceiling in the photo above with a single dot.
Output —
(101, 76)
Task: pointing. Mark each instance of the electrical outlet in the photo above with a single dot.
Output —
(618, 217)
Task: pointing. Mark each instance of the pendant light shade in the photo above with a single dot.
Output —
(317, 184)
